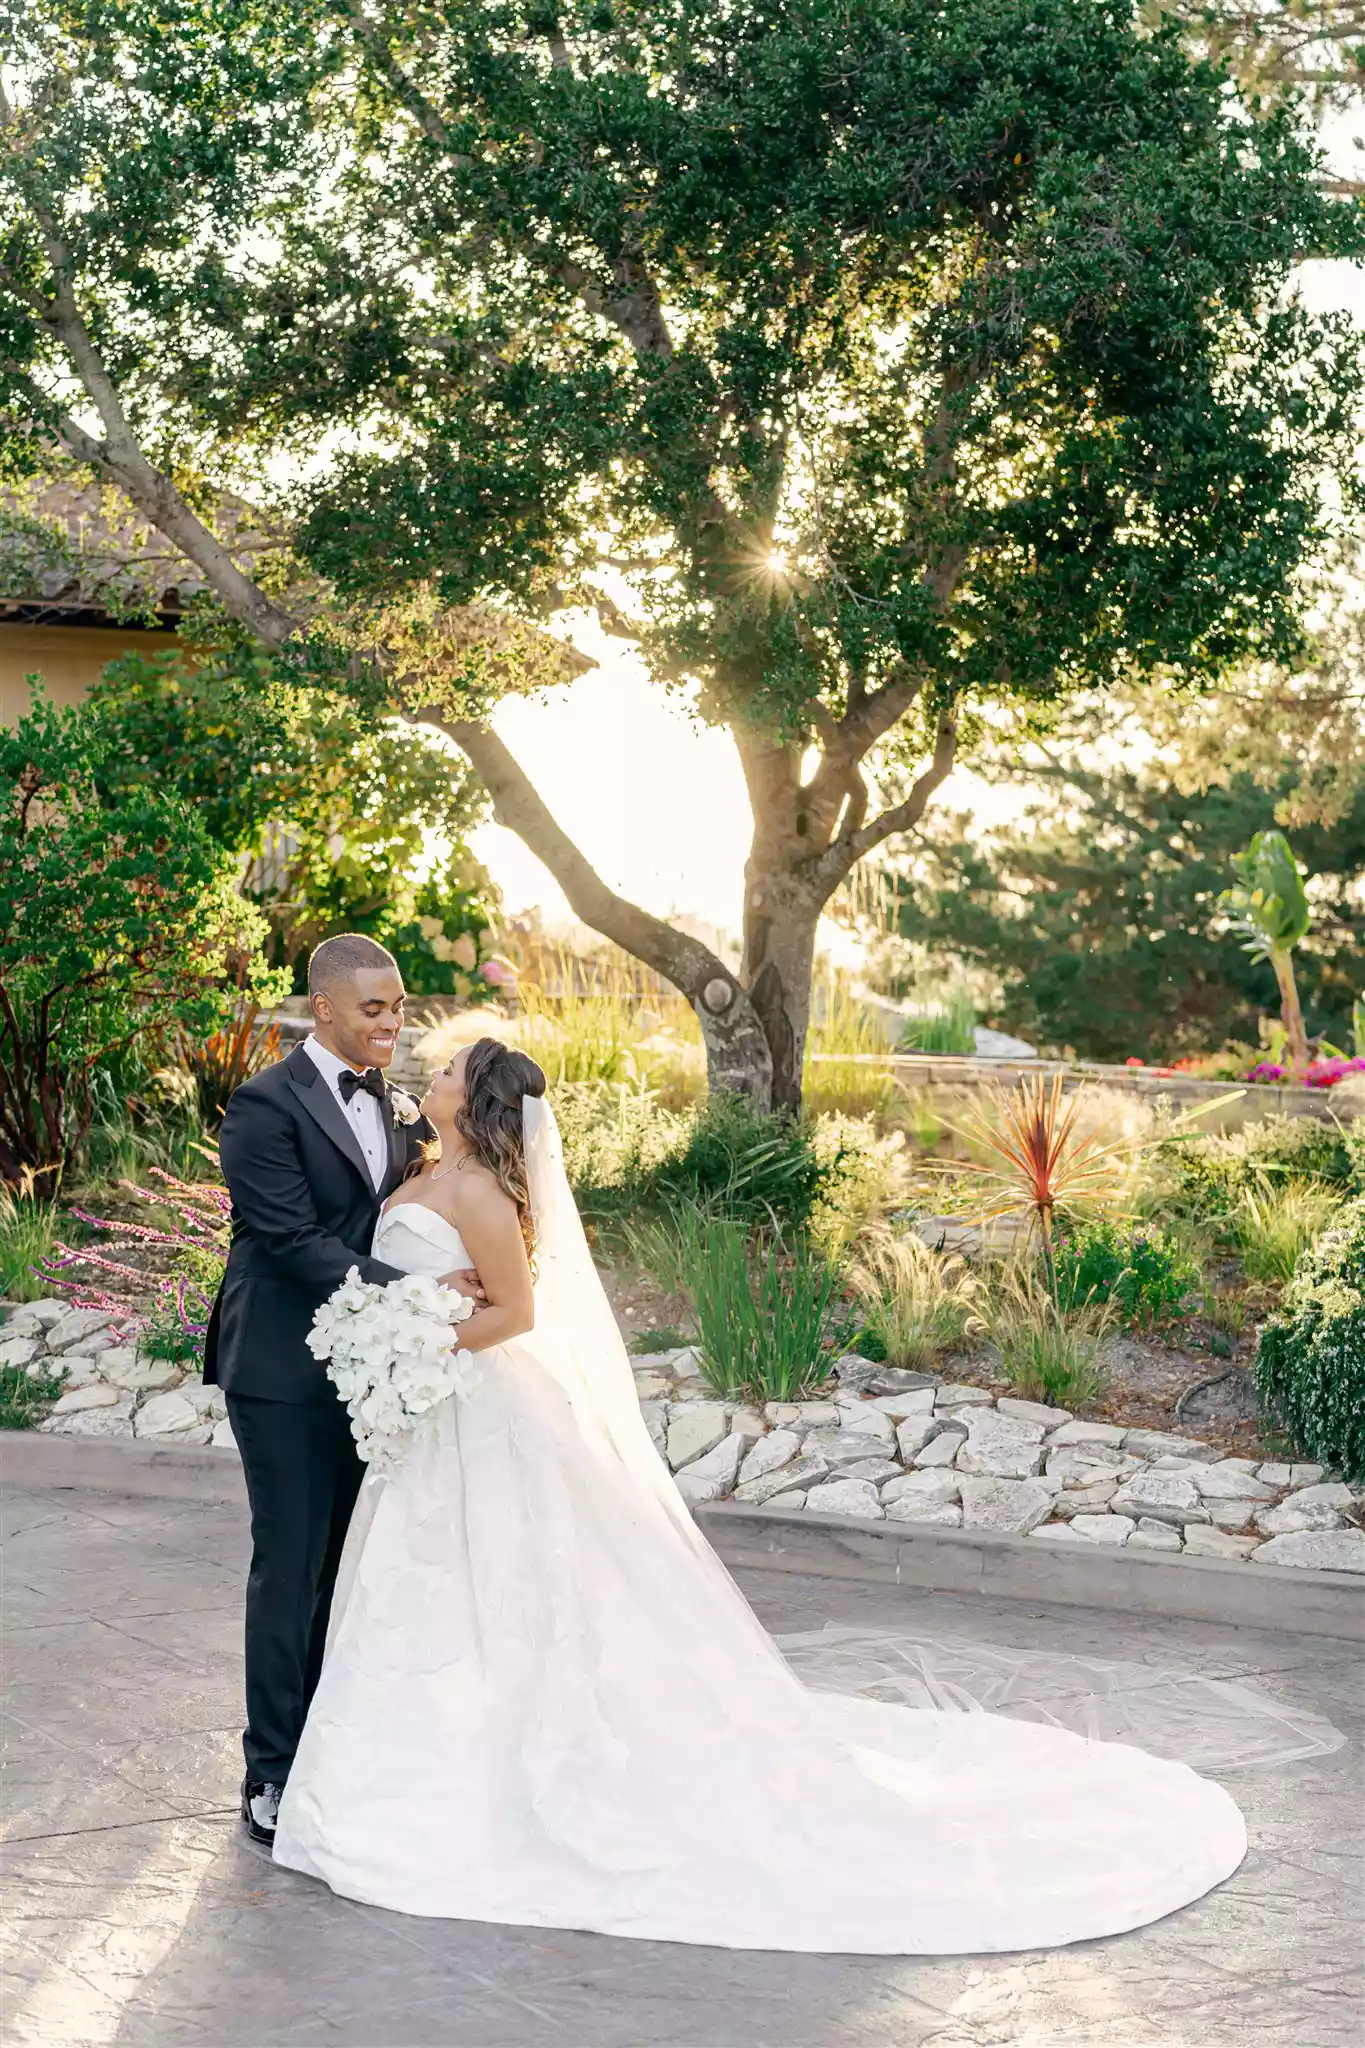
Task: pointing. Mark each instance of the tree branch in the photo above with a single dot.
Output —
(856, 839)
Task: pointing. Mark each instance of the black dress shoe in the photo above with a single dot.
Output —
(260, 1809)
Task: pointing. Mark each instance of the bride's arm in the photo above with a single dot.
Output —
(491, 1229)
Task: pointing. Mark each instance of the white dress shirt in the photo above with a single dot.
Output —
(363, 1112)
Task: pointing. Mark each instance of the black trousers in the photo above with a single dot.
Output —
(302, 1477)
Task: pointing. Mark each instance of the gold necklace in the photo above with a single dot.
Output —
(441, 1171)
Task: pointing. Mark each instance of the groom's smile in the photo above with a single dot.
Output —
(358, 1016)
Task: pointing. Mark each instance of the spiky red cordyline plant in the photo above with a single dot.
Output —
(1040, 1165)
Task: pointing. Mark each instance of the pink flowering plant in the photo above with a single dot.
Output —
(194, 1243)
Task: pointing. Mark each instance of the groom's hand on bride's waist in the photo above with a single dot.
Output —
(465, 1281)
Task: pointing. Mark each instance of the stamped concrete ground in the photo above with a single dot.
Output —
(137, 1914)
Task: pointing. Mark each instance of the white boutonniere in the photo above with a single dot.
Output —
(405, 1110)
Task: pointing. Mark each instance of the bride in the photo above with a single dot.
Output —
(544, 1702)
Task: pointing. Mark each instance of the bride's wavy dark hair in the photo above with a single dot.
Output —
(497, 1079)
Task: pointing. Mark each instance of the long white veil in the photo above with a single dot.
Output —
(575, 1338)
(1210, 1724)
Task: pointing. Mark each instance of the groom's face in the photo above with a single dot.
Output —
(359, 1018)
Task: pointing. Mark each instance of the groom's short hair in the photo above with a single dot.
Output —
(342, 958)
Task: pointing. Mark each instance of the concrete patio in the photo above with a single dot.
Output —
(137, 1913)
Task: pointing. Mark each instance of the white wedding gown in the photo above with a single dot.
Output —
(545, 1703)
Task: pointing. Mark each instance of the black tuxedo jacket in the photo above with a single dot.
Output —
(303, 1213)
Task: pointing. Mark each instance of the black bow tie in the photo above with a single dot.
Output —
(372, 1081)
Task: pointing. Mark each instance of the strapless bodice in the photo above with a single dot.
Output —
(417, 1239)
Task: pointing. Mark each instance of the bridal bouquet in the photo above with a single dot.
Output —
(392, 1354)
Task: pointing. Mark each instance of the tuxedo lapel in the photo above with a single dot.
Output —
(398, 1149)
(320, 1103)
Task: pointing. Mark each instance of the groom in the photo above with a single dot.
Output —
(310, 1149)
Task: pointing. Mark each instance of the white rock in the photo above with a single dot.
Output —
(77, 1323)
(209, 1401)
(819, 1414)
(19, 1351)
(1331, 1494)
(652, 1386)
(846, 1497)
(695, 1429)
(73, 1369)
(1203, 1541)
(685, 1364)
(1011, 1507)
(769, 1454)
(166, 1415)
(782, 1414)
(1107, 1529)
(999, 1448)
(96, 1395)
(721, 1463)
(1055, 1532)
(749, 1424)
(1088, 1464)
(877, 1470)
(1326, 1550)
(1305, 1475)
(1151, 1535)
(222, 1438)
(801, 1472)
(136, 1373)
(1165, 1496)
(919, 1401)
(1033, 1411)
(932, 1488)
(656, 1361)
(655, 1418)
(36, 1315)
(914, 1433)
(839, 1446)
(115, 1421)
(690, 1392)
(1156, 1443)
(1089, 1433)
(868, 1421)
(956, 1396)
(943, 1514)
(1276, 1475)
(1296, 1515)
(201, 1434)
(1231, 1479)
(1233, 1514)
(1087, 1500)
(791, 1503)
(697, 1492)
(941, 1449)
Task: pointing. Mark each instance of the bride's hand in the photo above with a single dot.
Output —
(465, 1281)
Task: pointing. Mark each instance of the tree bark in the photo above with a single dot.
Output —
(1291, 1010)
(781, 916)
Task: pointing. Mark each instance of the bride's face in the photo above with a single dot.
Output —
(446, 1093)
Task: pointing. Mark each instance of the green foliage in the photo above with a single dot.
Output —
(1310, 1364)
(1275, 1225)
(25, 1399)
(1146, 1273)
(166, 1335)
(916, 1303)
(1099, 910)
(1208, 1176)
(1047, 1353)
(1268, 904)
(27, 1232)
(764, 1310)
(330, 806)
(951, 1028)
(118, 921)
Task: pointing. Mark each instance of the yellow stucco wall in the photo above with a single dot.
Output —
(68, 658)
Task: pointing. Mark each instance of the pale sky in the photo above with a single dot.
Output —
(655, 800)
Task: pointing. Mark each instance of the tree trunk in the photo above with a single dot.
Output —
(1291, 1011)
(780, 920)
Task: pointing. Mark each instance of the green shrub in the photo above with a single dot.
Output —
(1146, 1273)
(25, 1399)
(1275, 1225)
(1048, 1353)
(917, 1302)
(27, 1232)
(1310, 1364)
(1208, 1176)
(764, 1309)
